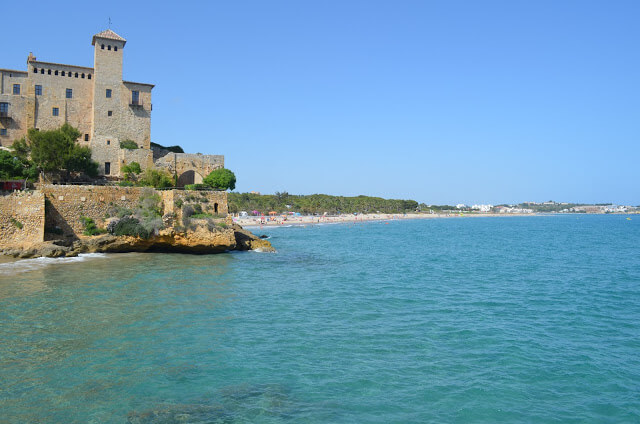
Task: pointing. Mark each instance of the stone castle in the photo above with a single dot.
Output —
(105, 109)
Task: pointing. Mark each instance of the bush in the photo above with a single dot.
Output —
(128, 226)
(125, 183)
(197, 187)
(221, 179)
(128, 144)
(156, 178)
(90, 228)
(178, 203)
(17, 223)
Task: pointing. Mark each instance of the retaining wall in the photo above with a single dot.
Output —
(25, 209)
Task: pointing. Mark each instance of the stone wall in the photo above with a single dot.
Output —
(66, 204)
(22, 208)
(190, 168)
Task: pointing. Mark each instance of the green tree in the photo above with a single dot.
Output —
(128, 144)
(221, 179)
(10, 166)
(131, 171)
(57, 151)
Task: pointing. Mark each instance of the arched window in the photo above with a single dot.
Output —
(89, 76)
(62, 73)
(76, 75)
(42, 71)
(109, 47)
(49, 71)
(82, 76)
(35, 70)
(115, 48)
(56, 72)
(102, 47)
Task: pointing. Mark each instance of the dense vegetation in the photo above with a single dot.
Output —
(317, 204)
(14, 168)
(128, 144)
(54, 152)
(144, 221)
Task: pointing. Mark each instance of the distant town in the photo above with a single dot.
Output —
(549, 207)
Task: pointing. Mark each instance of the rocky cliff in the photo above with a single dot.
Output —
(201, 239)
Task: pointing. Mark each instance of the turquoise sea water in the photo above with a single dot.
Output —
(482, 320)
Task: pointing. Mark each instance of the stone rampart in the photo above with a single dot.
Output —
(66, 204)
(22, 218)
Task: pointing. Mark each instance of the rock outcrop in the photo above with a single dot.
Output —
(199, 240)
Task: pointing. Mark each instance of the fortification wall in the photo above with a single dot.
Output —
(66, 204)
(25, 209)
(190, 168)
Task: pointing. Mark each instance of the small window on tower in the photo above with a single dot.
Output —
(86, 137)
(115, 48)
(108, 142)
(62, 73)
(55, 111)
(102, 47)
(42, 71)
(76, 75)
(109, 113)
(107, 168)
(69, 93)
(16, 88)
(38, 90)
(109, 47)
(35, 70)
(3, 131)
(56, 72)
(108, 93)
(49, 71)
(89, 76)
(82, 76)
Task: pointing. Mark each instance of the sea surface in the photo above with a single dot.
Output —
(465, 320)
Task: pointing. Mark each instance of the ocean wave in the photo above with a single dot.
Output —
(26, 265)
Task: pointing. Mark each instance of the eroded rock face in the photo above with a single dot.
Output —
(199, 240)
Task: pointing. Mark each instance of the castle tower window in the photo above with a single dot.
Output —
(109, 47)
(62, 73)
(69, 93)
(102, 47)
(38, 90)
(3, 131)
(215, 208)
(35, 70)
(76, 75)
(109, 113)
(135, 97)
(108, 142)
(56, 72)
(55, 111)
(48, 71)
(115, 48)
(89, 76)
(16, 88)
(86, 137)
(4, 109)
(42, 71)
(82, 76)
(108, 93)
(107, 168)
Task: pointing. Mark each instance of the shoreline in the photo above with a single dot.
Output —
(257, 222)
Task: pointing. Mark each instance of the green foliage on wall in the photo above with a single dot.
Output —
(221, 179)
(128, 144)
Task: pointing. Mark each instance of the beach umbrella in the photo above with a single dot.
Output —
(255, 212)
(273, 213)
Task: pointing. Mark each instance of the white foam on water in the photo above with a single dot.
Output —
(26, 265)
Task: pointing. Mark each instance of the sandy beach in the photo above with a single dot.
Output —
(258, 221)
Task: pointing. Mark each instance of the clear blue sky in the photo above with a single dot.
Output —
(438, 101)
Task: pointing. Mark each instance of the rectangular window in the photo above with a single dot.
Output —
(86, 137)
(4, 109)
(69, 93)
(107, 168)
(135, 97)
(108, 142)
(16, 88)
(55, 111)
(3, 131)
(108, 93)
(56, 72)
(109, 113)
(38, 90)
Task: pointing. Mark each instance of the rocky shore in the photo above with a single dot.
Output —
(199, 240)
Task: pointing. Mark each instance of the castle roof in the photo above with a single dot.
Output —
(109, 35)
